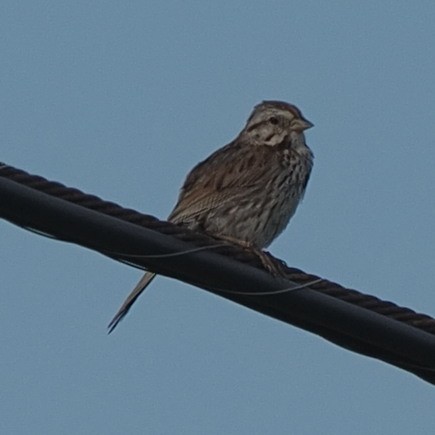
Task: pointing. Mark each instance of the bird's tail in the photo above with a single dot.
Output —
(131, 299)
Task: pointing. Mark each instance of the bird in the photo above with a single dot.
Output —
(247, 191)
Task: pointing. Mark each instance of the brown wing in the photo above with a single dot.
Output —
(219, 178)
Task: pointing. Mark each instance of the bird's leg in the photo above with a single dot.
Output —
(267, 263)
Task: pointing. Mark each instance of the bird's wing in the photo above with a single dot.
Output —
(219, 179)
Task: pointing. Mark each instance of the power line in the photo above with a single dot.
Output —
(358, 322)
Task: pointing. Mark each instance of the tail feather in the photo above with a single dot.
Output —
(131, 299)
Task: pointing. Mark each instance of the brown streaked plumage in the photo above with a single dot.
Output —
(248, 190)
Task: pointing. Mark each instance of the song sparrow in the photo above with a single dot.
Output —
(248, 190)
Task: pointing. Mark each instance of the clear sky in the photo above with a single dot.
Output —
(121, 99)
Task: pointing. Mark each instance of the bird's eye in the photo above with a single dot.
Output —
(273, 120)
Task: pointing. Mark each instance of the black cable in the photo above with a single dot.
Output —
(343, 323)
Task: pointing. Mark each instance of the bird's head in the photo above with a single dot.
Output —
(274, 122)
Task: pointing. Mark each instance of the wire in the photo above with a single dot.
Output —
(273, 292)
(358, 322)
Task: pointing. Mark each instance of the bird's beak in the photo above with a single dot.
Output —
(301, 124)
(305, 125)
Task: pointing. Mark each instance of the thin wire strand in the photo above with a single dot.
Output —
(121, 254)
(172, 254)
(186, 252)
(203, 248)
(40, 233)
(273, 292)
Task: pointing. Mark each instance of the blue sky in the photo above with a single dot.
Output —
(121, 99)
